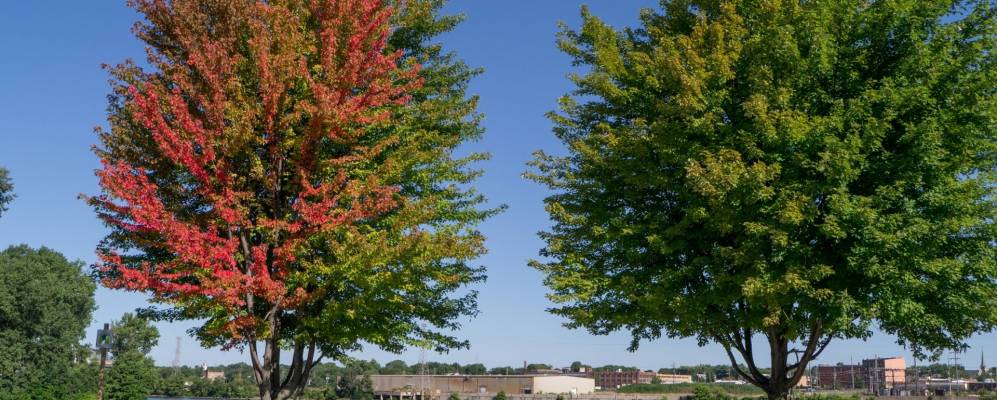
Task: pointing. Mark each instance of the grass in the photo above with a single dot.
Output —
(729, 388)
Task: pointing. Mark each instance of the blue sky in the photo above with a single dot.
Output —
(52, 94)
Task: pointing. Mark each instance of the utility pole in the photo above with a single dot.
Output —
(422, 372)
(104, 341)
(953, 369)
(851, 364)
(176, 358)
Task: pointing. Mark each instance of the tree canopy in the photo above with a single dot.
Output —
(45, 306)
(132, 377)
(793, 171)
(285, 171)
(133, 333)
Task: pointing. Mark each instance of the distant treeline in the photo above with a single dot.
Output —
(348, 379)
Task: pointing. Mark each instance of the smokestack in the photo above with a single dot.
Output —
(524, 366)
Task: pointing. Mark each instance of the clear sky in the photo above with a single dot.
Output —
(52, 93)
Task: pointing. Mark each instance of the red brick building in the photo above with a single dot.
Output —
(876, 373)
(615, 379)
(885, 372)
(840, 376)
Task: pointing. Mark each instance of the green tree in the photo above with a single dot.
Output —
(45, 306)
(578, 366)
(132, 377)
(396, 367)
(501, 371)
(133, 333)
(6, 190)
(355, 388)
(793, 171)
(500, 396)
(454, 396)
(538, 367)
(474, 369)
(172, 385)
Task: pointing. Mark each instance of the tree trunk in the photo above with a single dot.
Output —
(274, 385)
(784, 376)
(267, 371)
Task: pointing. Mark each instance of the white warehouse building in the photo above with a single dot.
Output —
(435, 385)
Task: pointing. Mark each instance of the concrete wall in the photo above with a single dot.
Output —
(563, 384)
(674, 378)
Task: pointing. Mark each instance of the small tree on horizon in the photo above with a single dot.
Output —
(284, 171)
(133, 333)
(778, 173)
(6, 190)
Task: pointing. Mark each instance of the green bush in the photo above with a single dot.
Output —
(132, 377)
(500, 396)
(728, 388)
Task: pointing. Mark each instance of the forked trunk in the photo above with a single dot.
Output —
(784, 375)
(272, 383)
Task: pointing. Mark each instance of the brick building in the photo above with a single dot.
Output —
(885, 372)
(876, 373)
(840, 376)
(615, 379)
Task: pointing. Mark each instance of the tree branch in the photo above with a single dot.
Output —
(799, 369)
(737, 368)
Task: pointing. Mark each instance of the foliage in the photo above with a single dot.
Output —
(45, 305)
(396, 367)
(171, 385)
(221, 388)
(726, 388)
(537, 367)
(937, 370)
(503, 371)
(132, 377)
(799, 171)
(710, 372)
(454, 396)
(612, 367)
(500, 396)
(987, 395)
(285, 172)
(355, 388)
(6, 190)
(133, 333)
(188, 381)
(578, 366)
(708, 393)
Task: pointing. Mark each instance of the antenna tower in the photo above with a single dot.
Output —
(176, 356)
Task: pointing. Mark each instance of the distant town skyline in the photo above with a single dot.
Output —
(513, 326)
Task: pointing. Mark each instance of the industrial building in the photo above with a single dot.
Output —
(616, 379)
(421, 386)
(875, 374)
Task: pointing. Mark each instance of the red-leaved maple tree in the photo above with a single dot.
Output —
(284, 173)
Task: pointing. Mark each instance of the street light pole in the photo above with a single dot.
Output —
(104, 341)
